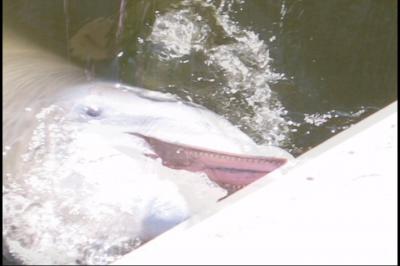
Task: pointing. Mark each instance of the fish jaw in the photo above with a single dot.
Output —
(226, 169)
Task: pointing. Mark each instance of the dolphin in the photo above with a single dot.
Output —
(94, 169)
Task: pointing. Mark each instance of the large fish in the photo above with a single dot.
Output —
(94, 169)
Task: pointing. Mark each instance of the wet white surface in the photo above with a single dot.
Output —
(77, 188)
(334, 205)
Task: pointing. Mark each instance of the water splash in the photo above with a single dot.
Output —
(234, 80)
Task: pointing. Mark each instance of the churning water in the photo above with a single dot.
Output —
(286, 73)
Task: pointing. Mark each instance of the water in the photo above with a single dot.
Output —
(267, 66)
(288, 73)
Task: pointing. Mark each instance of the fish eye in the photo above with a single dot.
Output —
(93, 111)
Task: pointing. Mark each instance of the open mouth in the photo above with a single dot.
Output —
(231, 171)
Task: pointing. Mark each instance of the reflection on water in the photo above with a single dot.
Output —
(288, 73)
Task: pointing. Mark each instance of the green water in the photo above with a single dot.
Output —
(337, 59)
(288, 73)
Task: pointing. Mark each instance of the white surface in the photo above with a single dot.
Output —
(336, 204)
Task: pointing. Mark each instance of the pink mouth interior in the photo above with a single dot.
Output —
(231, 171)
